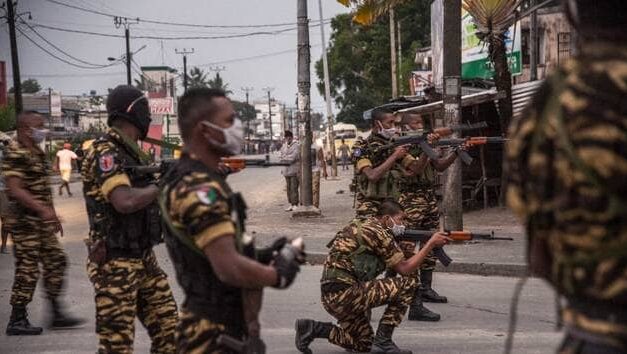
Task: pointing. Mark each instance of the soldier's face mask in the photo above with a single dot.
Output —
(233, 136)
(397, 229)
(387, 133)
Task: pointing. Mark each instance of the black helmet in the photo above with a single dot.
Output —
(130, 104)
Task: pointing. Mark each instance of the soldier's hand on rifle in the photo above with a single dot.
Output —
(266, 255)
(433, 138)
(400, 152)
(439, 239)
(287, 263)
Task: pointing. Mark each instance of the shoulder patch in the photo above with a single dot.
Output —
(357, 152)
(106, 162)
(207, 195)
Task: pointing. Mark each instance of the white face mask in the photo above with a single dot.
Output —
(388, 133)
(397, 229)
(233, 136)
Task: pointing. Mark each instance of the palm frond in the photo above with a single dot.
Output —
(492, 17)
(368, 11)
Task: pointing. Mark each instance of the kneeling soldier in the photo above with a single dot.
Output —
(358, 254)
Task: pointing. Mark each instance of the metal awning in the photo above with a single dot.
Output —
(522, 94)
(467, 100)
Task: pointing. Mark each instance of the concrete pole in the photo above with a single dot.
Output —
(15, 62)
(533, 44)
(393, 53)
(327, 97)
(452, 202)
(304, 105)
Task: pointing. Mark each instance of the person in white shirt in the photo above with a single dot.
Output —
(63, 164)
(290, 152)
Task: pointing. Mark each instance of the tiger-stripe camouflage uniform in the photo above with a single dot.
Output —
(349, 288)
(34, 240)
(198, 205)
(567, 169)
(128, 282)
(369, 195)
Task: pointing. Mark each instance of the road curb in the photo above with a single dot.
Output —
(485, 269)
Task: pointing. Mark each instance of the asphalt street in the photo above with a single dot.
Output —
(475, 320)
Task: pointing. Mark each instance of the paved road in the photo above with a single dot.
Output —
(474, 322)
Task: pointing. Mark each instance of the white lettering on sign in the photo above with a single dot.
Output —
(163, 105)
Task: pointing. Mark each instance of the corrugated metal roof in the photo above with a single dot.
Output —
(522, 94)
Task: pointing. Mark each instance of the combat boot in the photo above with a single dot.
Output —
(426, 291)
(308, 330)
(418, 312)
(383, 343)
(19, 324)
(62, 320)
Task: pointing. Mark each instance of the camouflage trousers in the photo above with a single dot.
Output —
(365, 207)
(196, 334)
(130, 287)
(577, 344)
(422, 213)
(350, 307)
(315, 188)
(35, 244)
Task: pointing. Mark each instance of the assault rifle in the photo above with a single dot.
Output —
(469, 142)
(422, 139)
(425, 235)
(237, 164)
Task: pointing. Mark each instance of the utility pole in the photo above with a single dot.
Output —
(304, 105)
(15, 63)
(393, 53)
(184, 53)
(268, 90)
(533, 43)
(247, 90)
(123, 21)
(451, 53)
(327, 97)
(400, 59)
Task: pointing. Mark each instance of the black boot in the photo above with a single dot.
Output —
(61, 320)
(427, 292)
(19, 325)
(418, 312)
(383, 341)
(308, 330)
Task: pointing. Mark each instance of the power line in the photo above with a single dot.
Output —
(267, 55)
(230, 36)
(159, 22)
(52, 54)
(96, 66)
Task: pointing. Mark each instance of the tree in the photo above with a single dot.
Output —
(493, 18)
(7, 117)
(197, 78)
(28, 86)
(359, 59)
(246, 112)
(218, 83)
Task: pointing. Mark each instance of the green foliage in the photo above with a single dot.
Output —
(28, 86)
(7, 117)
(197, 78)
(359, 59)
(244, 110)
(218, 83)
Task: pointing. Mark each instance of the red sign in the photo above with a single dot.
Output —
(163, 105)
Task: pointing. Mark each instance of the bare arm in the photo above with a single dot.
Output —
(443, 163)
(375, 174)
(235, 269)
(16, 190)
(405, 267)
(128, 200)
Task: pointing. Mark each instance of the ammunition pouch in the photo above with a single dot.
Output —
(388, 186)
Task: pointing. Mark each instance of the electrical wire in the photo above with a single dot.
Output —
(235, 60)
(52, 54)
(96, 66)
(159, 22)
(231, 36)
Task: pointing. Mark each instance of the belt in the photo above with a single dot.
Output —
(123, 253)
(614, 313)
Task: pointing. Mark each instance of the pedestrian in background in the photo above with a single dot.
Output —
(290, 153)
(63, 165)
(27, 178)
(4, 205)
(318, 165)
(344, 154)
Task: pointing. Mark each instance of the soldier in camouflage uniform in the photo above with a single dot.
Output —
(357, 255)
(418, 198)
(378, 172)
(204, 233)
(124, 226)
(567, 169)
(34, 223)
